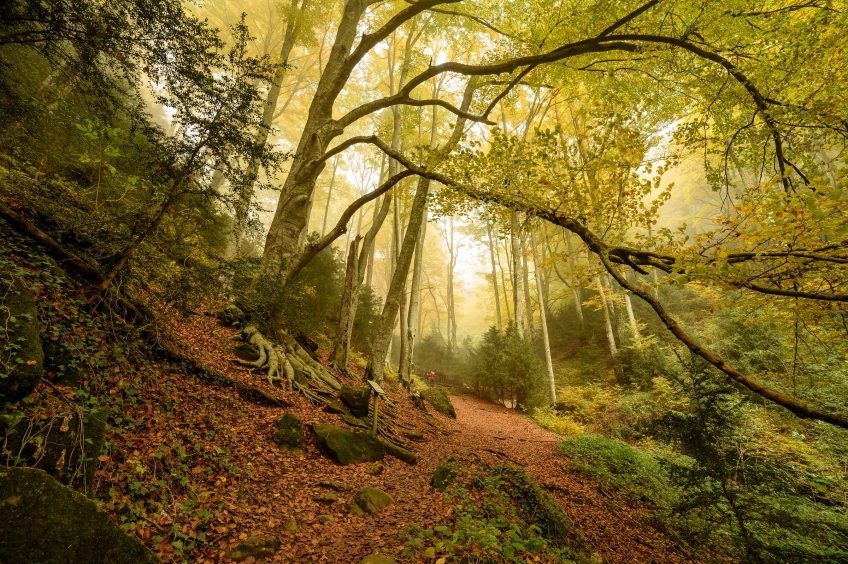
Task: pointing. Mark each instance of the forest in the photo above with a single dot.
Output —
(437, 281)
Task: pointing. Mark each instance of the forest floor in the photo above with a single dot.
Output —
(280, 486)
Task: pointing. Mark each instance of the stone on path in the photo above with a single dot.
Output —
(289, 434)
(45, 522)
(444, 474)
(333, 485)
(325, 498)
(375, 469)
(290, 525)
(369, 500)
(348, 447)
(326, 519)
(257, 547)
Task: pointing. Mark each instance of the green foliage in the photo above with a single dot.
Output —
(505, 367)
(308, 304)
(618, 466)
(496, 514)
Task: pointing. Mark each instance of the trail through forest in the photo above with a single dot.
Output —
(283, 485)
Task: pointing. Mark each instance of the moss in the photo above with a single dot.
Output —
(440, 400)
(43, 521)
(400, 452)
(356, 398)
(289, 434)
(371, 500)
(348, 447)
(445, 474)
(21, 357)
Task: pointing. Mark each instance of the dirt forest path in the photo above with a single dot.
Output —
(482, 429)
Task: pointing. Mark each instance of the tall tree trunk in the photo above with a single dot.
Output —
(575, 288)
(369, 277)
(494, 277)
(330, 195)
(246, 186)
(380, 347)
(413, 328)
(517, 278)
(365, 253)
(527, 301)
(610, 334)
(544, 321)
(340, 353)
(503, 283)
(634, 326)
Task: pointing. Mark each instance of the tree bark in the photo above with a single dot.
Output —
(517, 278)
(329, 195)
(412, 324)
(607, 322)
(380, 347)
(544, 321)
(575, 288)
(527, 301)
(340, 353)
(247, 183)
(494, 278)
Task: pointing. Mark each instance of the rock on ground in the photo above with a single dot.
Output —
(289, 434)
(69, 448)
(21, 357)
(43, 521)
(356, 398)
(440, 400)
(257, 547)
(369, 500)
(348, 447)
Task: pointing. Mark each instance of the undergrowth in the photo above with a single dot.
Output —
(496, 514)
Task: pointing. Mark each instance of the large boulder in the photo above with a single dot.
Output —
(440, 400)
(70, 444)
(369, 500)
(21, 357)
(348, 447)
(43, 521)
(289, 434)
(356, 398)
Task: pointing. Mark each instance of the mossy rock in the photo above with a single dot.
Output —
(70, 445)
(356, 399)
(370, 500)
(348, 447)
(440, 400)
(68, 368)
(333, 485)
(445, 474)
(289, 434)
(336, 408)
(43, 521)
(354, 421)
(257, 547)
(21, 356)
(399, 452)
(328, 497)
(246, 352)
(375, 469)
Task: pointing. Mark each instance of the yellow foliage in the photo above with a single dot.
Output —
(560, 424)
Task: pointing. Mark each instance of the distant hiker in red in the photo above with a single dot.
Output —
(432, 377)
